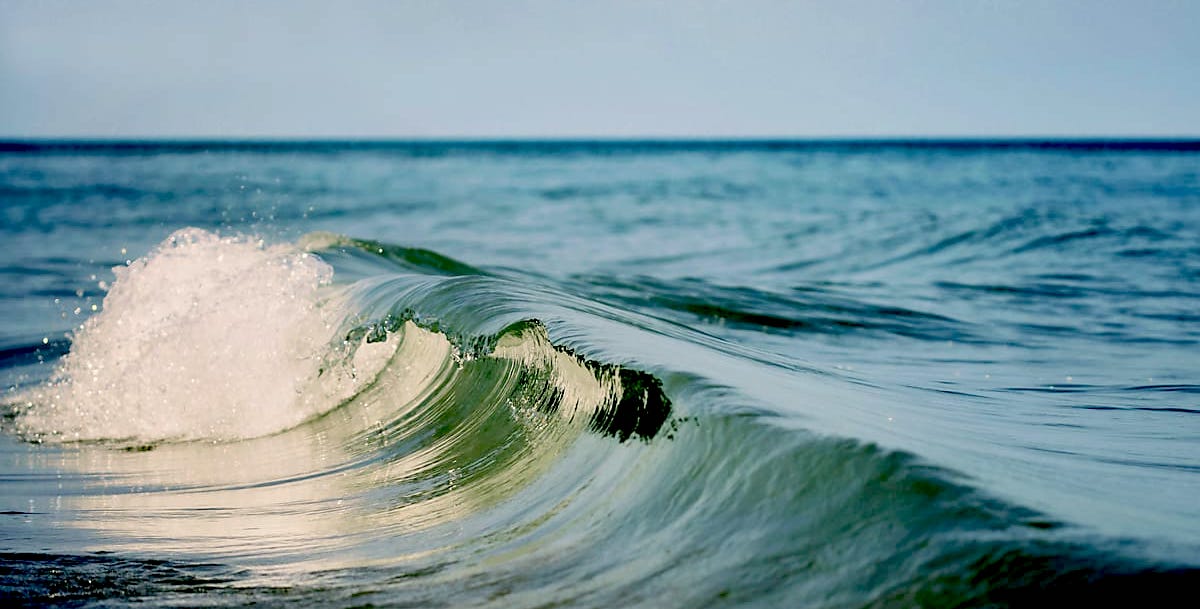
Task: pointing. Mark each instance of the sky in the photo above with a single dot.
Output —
(687, 68)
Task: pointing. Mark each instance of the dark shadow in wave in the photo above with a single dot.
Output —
(805, 310)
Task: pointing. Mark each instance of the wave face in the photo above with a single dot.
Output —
(866, 375)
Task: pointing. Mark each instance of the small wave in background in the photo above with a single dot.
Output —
(600, 374)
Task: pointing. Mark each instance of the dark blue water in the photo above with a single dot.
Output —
(823, 374)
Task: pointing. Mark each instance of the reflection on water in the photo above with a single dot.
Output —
(437, 438)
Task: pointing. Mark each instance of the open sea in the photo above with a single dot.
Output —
(825, 374)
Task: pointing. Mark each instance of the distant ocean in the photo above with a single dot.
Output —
(600, 373)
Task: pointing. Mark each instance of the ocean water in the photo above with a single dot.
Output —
(600, 374)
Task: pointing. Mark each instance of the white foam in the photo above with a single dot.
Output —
(207, 337)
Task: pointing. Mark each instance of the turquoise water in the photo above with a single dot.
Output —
(824, 374)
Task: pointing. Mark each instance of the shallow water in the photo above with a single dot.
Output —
(832, 374)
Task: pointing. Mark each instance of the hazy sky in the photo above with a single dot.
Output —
(578, 68)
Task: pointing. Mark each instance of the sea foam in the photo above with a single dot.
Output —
(207, 337)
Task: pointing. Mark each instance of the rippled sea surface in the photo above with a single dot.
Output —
(600, 374)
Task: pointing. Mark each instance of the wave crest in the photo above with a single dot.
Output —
(228, 338)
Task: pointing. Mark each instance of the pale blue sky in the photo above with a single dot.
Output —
(610, 69)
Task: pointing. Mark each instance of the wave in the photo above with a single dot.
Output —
(362, 421)
(226, 338)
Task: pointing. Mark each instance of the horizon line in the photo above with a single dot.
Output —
(596, 138)
(200, 143)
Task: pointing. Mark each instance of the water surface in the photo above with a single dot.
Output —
(825, 374)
